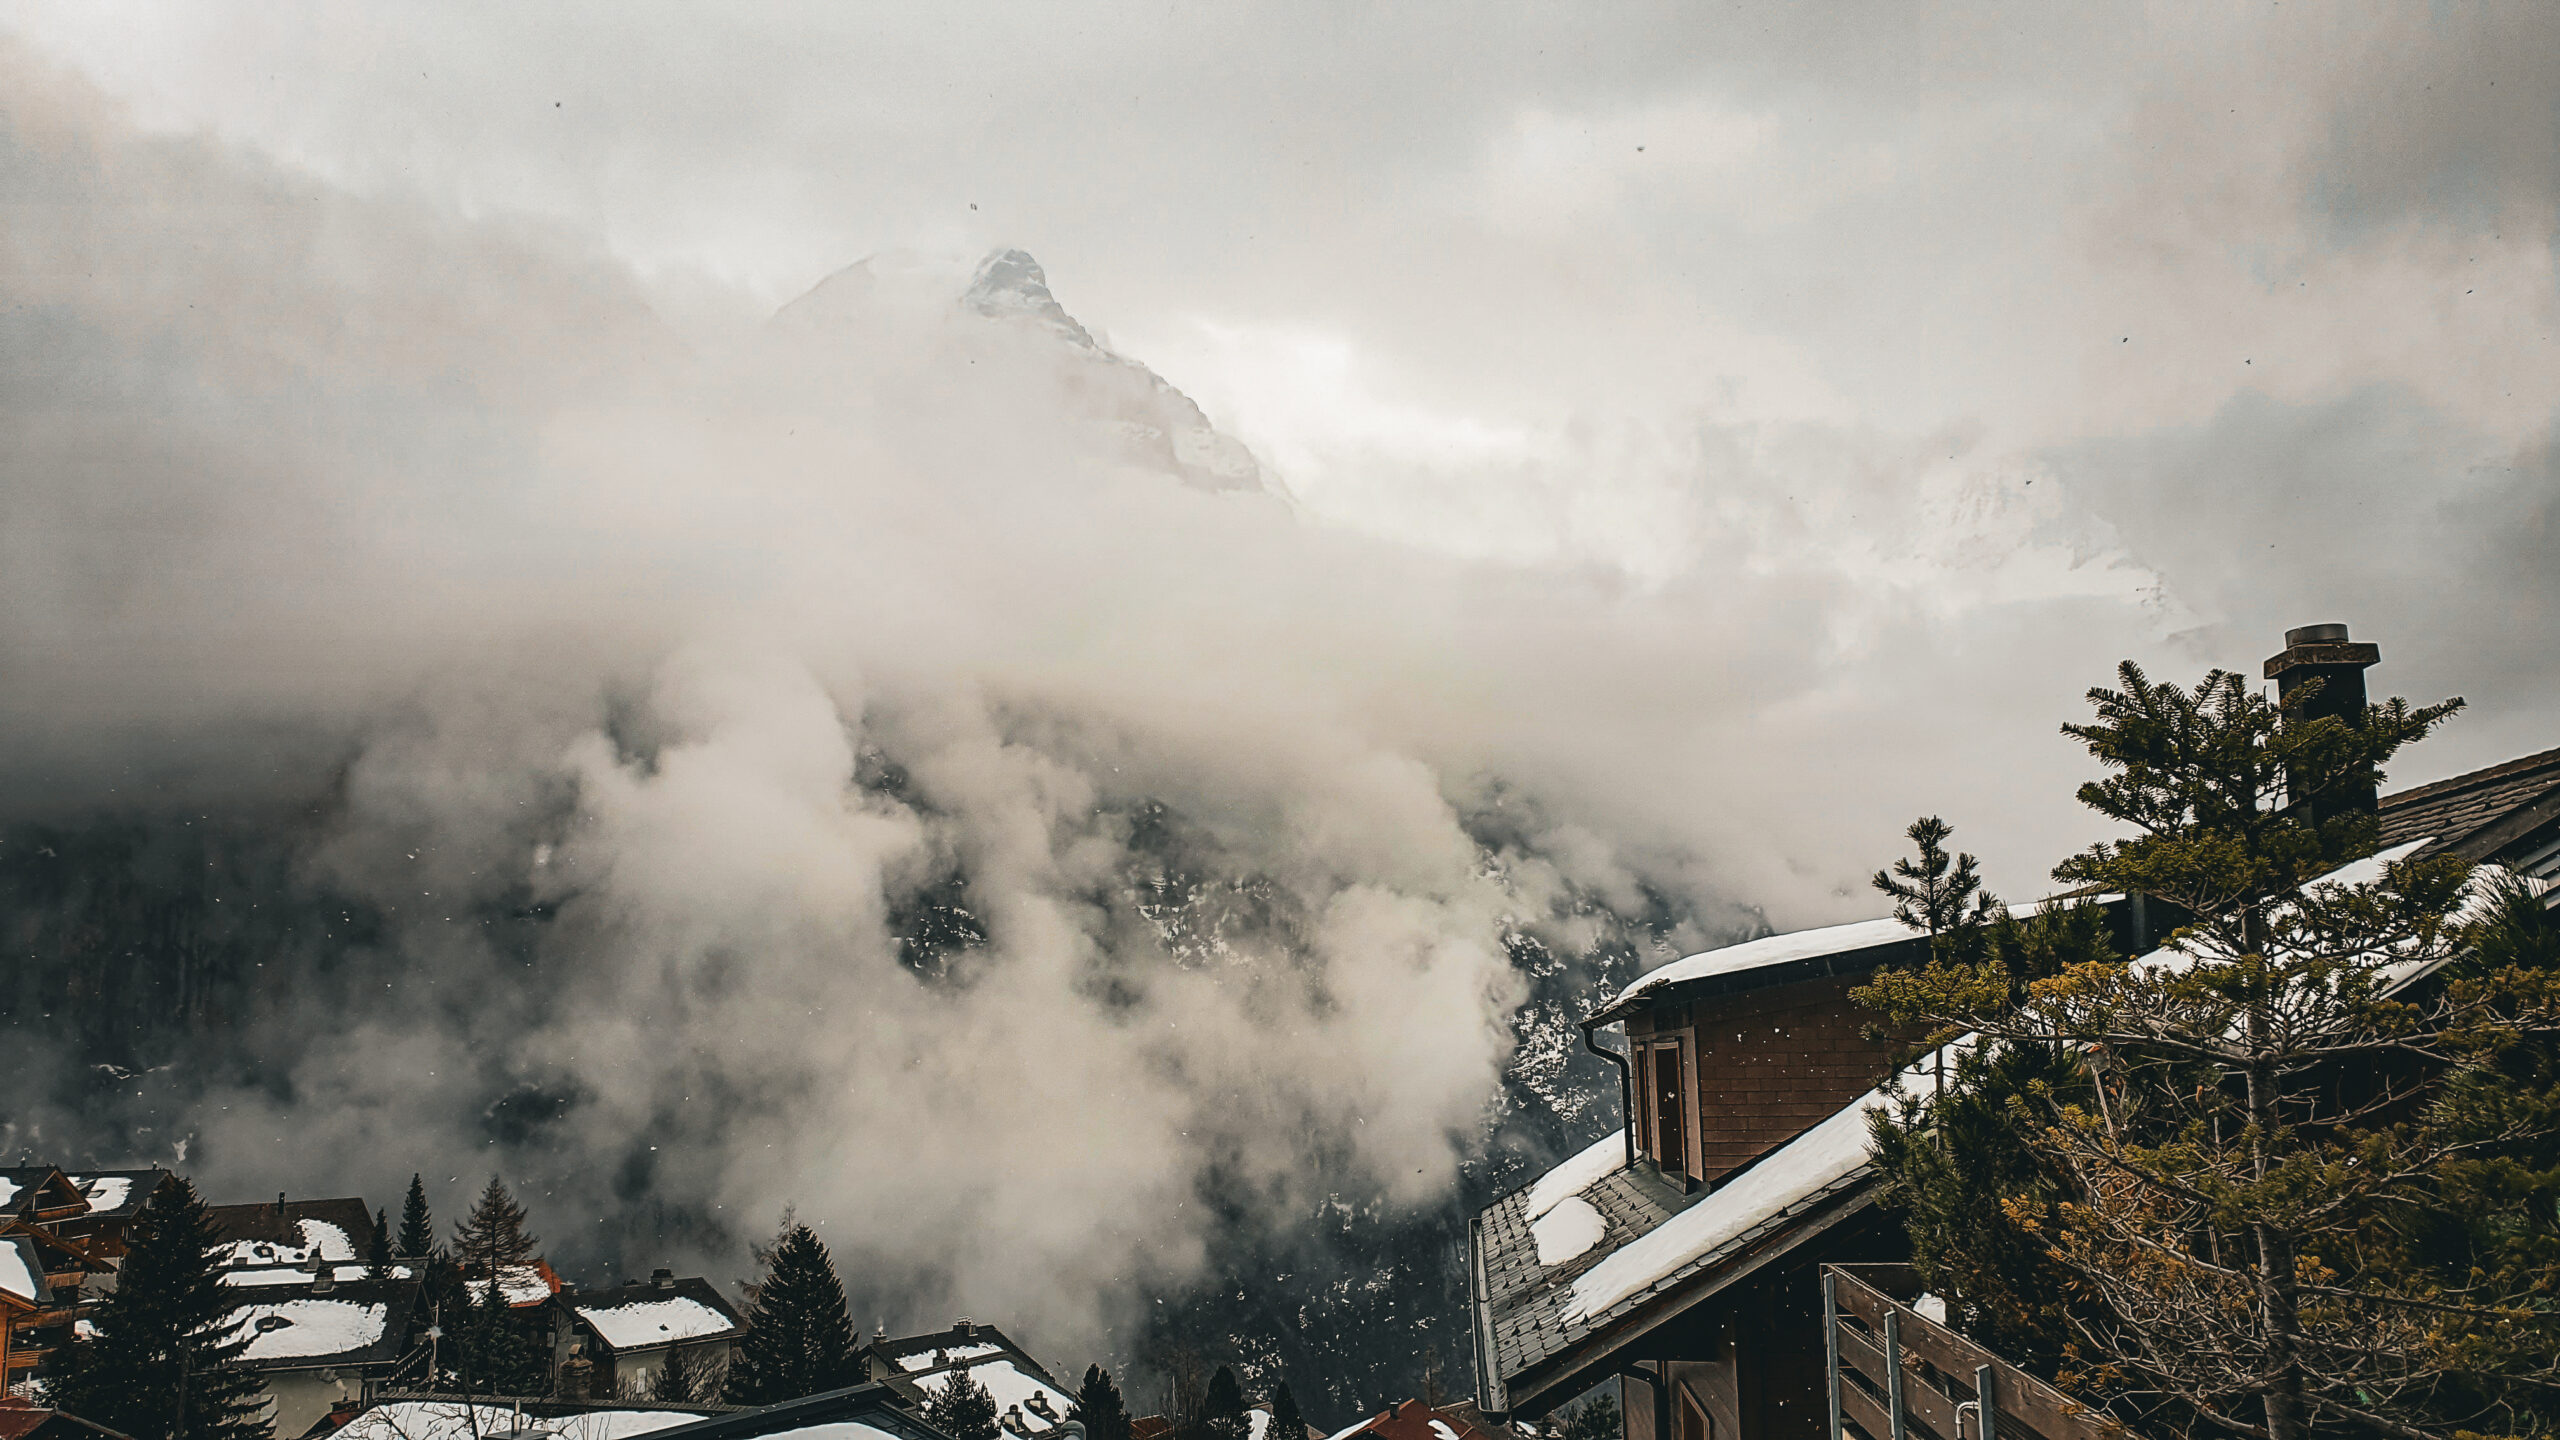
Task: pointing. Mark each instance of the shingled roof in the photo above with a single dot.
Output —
(1540, 1328)
(2481, 815)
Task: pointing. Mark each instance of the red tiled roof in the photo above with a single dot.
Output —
(1414, 1420)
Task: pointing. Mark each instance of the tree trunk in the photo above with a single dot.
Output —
(2279, 1295)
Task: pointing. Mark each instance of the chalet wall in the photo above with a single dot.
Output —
(1768, 1065)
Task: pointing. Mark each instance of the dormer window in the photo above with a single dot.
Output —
(1666, 1093)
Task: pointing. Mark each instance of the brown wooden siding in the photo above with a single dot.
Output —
(1773, 1063)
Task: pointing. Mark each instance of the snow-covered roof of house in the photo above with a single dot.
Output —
(311, 1240)
(1592, 1240)
(1853, 948)
(522, 1285)
(38, 1190)
(872, 1411)
(356, 1324)
(647, 1315)
(458, 1420)
(22, 1271)
(291, 1232)
(234, 1273)
(118, 1194)
(986, 1353)
(1414, 1420)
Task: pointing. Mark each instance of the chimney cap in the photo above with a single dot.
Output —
(2327, 645)
(662, 1278)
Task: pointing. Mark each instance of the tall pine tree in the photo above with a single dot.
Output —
(378, 1248)
(493, 1349)
(492, 1238)
(1098, 1405)
(1223, 1413)
(164, 1360)
(1286, 1421)
(962, 1408)
(799, 1338)
(417, 1224)
(2288, 1181)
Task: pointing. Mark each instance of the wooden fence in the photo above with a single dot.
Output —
(1897, 1375)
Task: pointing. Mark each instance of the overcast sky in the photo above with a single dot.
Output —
(2261, 297)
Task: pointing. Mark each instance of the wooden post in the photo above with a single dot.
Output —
(1893, 1372)
(1831, 1348)
(1985, 1391)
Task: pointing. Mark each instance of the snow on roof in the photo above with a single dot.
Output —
(1771, 950)
(520, 1284)
(8, 1189)
(948, 1354)
(303, 1328)
(1011, 1387)
(20, 1274)
(105, 1192)
(1568, 1230)
(320, 1241)
(1822, 1156)
(644, 1323)
(327, 1240)
(299, 1274)
(1606, 1157)
(454, 1420)
(832, 1430)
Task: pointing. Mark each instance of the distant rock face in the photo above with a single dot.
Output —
(1010, 283)
(1141, 416)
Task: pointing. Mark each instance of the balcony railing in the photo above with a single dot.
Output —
(1895, 1374)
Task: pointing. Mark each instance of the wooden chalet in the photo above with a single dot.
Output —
(115, 1198)
(1684, 1253)
(44, 1266)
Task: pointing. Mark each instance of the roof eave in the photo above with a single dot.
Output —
(1596, 1356)
(1861, 961)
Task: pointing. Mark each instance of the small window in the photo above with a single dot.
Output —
(1670, 1110)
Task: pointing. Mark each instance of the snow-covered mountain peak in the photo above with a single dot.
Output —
(1009, 282)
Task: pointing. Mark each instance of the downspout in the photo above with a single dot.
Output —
(1626, 1089)
(1661, 1394)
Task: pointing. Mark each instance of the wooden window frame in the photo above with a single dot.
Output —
(1671, 1049)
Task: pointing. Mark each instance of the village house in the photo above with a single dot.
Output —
(114, 1198)
(1681, 1254)
(616, 1341)
(44, 1266)
(320, 1328)
(1028, 1398)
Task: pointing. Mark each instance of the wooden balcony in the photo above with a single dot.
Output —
(1897, 1375)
